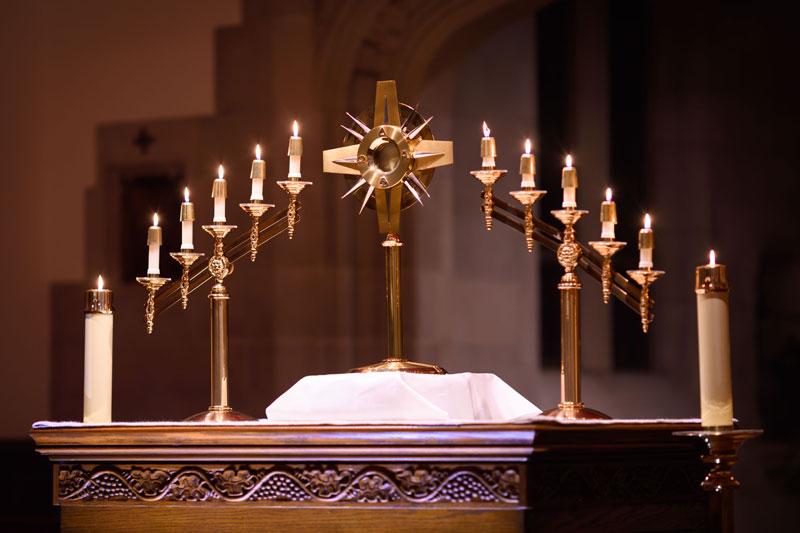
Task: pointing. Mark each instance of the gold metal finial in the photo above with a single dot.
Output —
(293, 188)
(645, 277)
(186, 260)
(527, 197)
(607, 248)
(151, 284)
(394, 162)
(255, 210)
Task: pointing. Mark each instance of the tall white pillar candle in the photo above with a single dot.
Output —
(608, 217)
(153, 247)
(488, 148)
(295, 152)
(257, 174)
(646, 244)
(527, 167)
(219, 192)
(569, 182)
(713, 335)
(187, 222)
(97, 357)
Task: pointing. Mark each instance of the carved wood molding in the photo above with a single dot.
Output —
(363, 484)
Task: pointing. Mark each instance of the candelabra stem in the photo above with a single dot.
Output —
(254, 238)
(392, 247)
(185, 287)
(644, 307)
(570, 341)
(150, 309)
(529, 227)
(606, 279)
(219, 348)
(291, 214)
(488, 205)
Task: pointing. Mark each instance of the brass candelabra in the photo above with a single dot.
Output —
(219, 266)
(571, 255)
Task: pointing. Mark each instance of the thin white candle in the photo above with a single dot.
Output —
(646, 244)
(154, 247)
(98, 350)
(714, 345)
(608, 217)
(569, 182)
(527, 167)
(488, 148)
(295, 152)
(187, 222)
(219, 192)
(257, 173)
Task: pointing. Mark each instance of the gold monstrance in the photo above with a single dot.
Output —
(394, 160)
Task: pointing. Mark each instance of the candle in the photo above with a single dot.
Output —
(527, 167)
(154, 247)
(713, 335)
(219, 192)
(646, 244)
(569, 182)
(608, 217)
(488, 148)
(295, 152)
(258, 172)
(187, 222)
(97, 355)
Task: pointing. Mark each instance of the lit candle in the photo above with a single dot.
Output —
(219, 192)
(569, 182)
(713, 335)
(295, 152)
(258, 172)
(154, 247)
(187, 222)
(527, 167)
(488, 148)
(646, 244)
(608, 217)
(98, 327)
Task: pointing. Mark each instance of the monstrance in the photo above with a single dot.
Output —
(394, 161)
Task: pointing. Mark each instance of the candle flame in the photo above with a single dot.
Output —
(295, 128)
(155, 219)
(186, 194)
(221, 172)
(100, 283)
(712, 258)
(258, 151)
(528, 146)
(486, 131)
(647, 221)
(568, 161)
(608, 194)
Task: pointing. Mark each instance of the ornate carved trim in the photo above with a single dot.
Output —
(367, 484)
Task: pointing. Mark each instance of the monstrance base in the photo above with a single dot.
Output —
(219, 414)
(401, 365)
(573, 411)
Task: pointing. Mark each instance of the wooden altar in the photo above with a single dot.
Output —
(540, 476)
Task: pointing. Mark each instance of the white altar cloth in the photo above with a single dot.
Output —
(399, 397)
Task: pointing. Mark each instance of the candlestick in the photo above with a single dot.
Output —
(258, 172)
(646, 244)
(527, 167)
(716, 400)
(98, 349)
(255, 210)
(488, 148)
(569, 182)
(186, 259)
(295, 152)
(154, 246)
(187, 222)
(608, 216)
(219, 192)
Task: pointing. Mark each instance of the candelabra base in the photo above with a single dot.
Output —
(219, 414)
(401, 365)
(575, 411)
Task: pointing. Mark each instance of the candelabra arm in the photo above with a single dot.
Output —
(185, 259)
(645, 277)
(488, 177)
(151, 284)
(255, 210)
(293, 188)
(607, 248)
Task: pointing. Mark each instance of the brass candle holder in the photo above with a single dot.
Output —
(527, 197)
(151, 284)
(186, 260)
(607, 248)
(293, 188)
(488, 177)
(645, 277)
(393, 158)
(255, 209)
